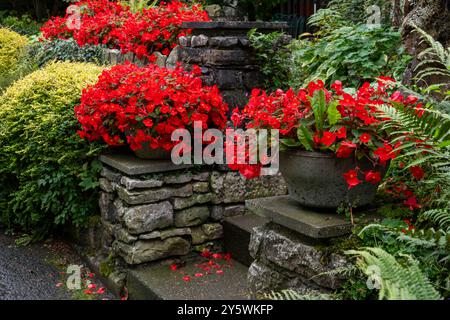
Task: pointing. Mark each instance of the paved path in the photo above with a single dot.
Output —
(26, 272)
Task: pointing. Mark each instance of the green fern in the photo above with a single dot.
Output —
(435, 54)
(294, 295)
(396, 281)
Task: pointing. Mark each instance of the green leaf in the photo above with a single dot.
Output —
(333, 114)
(318, 104)
(289, 142)
(305, 137)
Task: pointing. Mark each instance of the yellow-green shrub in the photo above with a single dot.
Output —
(47, 173)
(12, 49)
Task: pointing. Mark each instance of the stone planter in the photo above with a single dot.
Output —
(152, 154)
(315, 179)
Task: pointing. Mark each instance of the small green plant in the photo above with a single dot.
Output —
(24, 24)
(43, 52)
(352, 55)
(273, 55)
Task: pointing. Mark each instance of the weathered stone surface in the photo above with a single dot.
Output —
(228, 79)
(155, 195)
(181, 177)
(223, 42)
(119, 208)
(262, 279)
(183, 203)
(107, 209)
(227, 187)
(146, 218)
(221, 212)
(213, 231)
(106, 185)
(164, 234)
(173, 58)
(199, 41)
(107, 236)
(244, 41)
(131, 183)
(200, 187)
(122, 235)
(160, 59)
(132, 165)
(266, 186)
(192, 216)
(150, 250)
(214, 10)
(206, 232)
(227, 57)
(256, 238)
(184, 41)
(201, 176)
(288, 251)
(307, 222)
(111, 175)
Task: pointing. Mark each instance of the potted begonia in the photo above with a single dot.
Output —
(333, 146)
(142, 106)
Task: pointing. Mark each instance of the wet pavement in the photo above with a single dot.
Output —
(26, 272)
(36, 271)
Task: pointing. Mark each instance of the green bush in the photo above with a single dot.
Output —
(24, 24)
(47, 173)
(12, 50)
(349, 54)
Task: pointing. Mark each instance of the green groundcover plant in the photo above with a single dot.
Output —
(47, 173)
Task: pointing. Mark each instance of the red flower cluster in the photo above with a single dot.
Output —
(113, 24)
(347, 124)
(145, 105)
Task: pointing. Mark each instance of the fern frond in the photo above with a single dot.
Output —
(440, 217)
(294, 295)
(396, 281)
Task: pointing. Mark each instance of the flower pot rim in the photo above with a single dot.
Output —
(309, 154)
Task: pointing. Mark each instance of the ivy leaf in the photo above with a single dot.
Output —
(333, 114)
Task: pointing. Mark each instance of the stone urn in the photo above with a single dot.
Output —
(152, 154)
(315, 179)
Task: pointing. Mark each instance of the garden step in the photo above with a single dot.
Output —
(237, 232)
(159, 282)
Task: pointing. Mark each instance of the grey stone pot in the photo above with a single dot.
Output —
(315, 179)
(152, 154)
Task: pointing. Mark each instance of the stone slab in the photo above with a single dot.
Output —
(286, 212)
(159, 282)
(132, 165)
(236, 25)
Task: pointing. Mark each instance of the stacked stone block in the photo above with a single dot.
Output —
(155, 216)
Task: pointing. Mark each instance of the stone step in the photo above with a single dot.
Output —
(237, 232)
(159, 282)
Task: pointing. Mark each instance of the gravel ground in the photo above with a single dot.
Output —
(36, 271)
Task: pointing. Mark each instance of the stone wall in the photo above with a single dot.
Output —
(283, 260)
(223, 51)
(152, 216)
